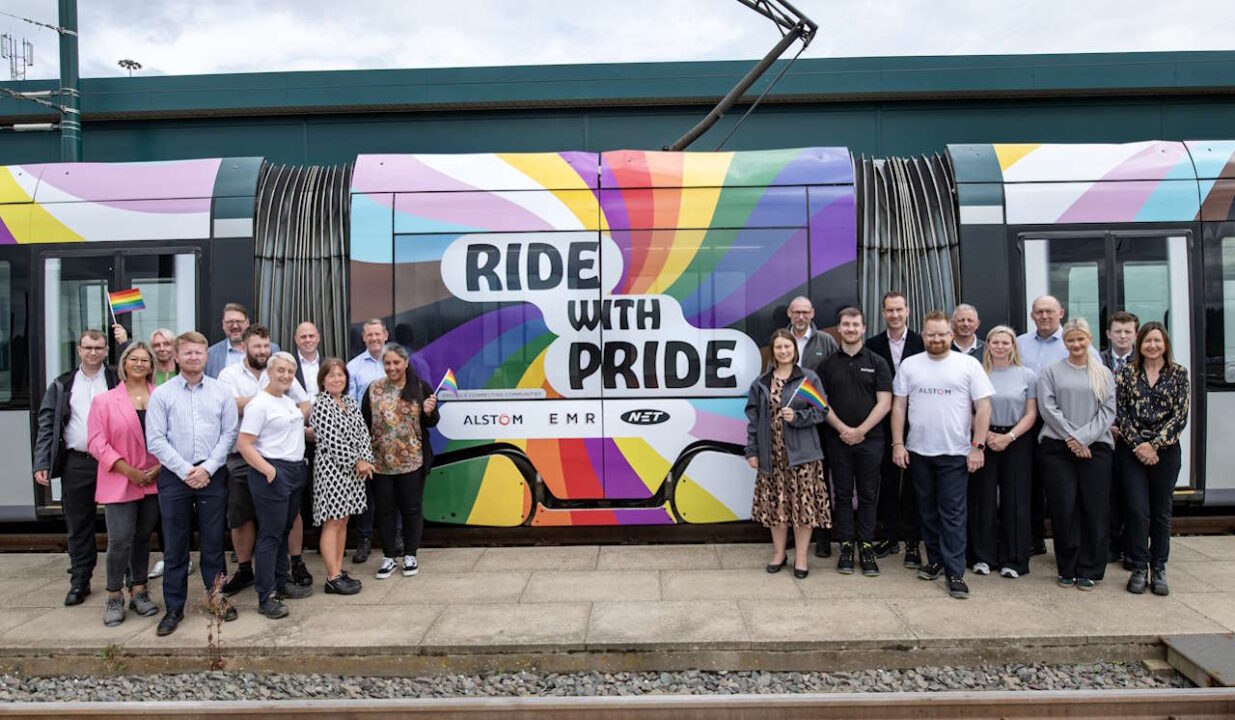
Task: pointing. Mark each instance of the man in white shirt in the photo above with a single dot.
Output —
(308, 361)
(945, 396)
(246, 380)
(965, 324)
(60, 451)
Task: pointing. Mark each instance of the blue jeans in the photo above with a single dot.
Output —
(276, 504)
(942, 484)
(177, 502)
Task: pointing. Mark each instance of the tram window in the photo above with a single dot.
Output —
(1228, 309)
(1147, 290)
(1077, 285)
(168, 284)
(6, 333)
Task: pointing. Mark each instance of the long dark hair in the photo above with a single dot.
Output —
(782, 333)
(412, 391)
(1167, 356)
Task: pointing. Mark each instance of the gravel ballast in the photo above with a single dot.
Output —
(251, 686)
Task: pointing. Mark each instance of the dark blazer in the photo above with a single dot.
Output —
(300, 369)
(879, 344)
(54, 414)
(1108, 358)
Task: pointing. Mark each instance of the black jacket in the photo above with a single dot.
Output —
(880, 344)
(416, 390)
(54, 415)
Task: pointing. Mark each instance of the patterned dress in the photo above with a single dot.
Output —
(396, 429)
(793, 496)
(342, 440)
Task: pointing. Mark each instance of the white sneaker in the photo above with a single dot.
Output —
(410, 567)
(156, 571)
(981, 568)
(1009, 573)
(387, 569)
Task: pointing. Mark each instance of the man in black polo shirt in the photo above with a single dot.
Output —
(858, 385)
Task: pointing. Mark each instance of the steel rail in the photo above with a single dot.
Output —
(1173, 703)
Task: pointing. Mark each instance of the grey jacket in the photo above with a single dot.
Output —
(801, 435)
(53, 416)
(818, 348)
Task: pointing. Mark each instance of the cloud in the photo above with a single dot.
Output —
(223, 36)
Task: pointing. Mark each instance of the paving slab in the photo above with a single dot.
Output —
(592, 585)
(894, 581)
(729, 585)
(802, 623)
(72, 627)
(539, 558)
(448, 560)
(475, 587)
(1216, 547)
(659, 557)
(997, 619)
(384, 627)
(1218, 607)
(666, 624)
(744, 556)
(560, 627)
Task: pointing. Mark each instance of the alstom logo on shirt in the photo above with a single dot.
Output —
(934, 391)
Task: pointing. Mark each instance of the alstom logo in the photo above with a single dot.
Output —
(645, 417)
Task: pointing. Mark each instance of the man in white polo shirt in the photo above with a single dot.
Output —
(946, 397)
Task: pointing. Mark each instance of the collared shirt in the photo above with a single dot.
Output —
(974, 350)
(241, 382)
(84, 391)
(234, 356)
(898, 347)
(801, 341)
(1038, 352)
(363, 369)
(1120, 361)
(851, 383)
(186, 424)
(309, 368)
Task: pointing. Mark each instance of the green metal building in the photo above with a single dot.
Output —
(874, 106)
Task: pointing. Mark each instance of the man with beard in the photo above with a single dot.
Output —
(245, 380)
(946, 398)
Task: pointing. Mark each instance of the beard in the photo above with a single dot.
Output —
(257, 363)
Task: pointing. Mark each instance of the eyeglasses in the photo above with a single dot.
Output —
(138, 360)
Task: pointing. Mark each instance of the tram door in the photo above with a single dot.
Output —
(1096, 274)
(75, 291)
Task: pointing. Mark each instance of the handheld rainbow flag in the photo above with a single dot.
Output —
(811, 395)
(448, 383)
(123, 301)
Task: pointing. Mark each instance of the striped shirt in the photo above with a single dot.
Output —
(186, 424)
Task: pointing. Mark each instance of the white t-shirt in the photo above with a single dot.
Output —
(941, 394)
(278, 424)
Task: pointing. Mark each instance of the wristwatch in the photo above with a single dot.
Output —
(977, 445)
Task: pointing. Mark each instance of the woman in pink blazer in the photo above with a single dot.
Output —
(126, 481)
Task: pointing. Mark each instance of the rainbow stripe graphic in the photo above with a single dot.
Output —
(448, 383)
(123, 301)
(808, 392)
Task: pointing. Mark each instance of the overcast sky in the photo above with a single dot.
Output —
(177, 37)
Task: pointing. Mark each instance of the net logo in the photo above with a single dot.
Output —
(645, 417)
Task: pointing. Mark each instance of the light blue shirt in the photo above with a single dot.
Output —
(363, 369)
(187, 423)
(1038, 352)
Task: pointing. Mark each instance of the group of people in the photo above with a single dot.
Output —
(240, 437)
(967, 445)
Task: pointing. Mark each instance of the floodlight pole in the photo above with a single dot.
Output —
(70, 97)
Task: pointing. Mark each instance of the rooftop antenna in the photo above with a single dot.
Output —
(20, 55)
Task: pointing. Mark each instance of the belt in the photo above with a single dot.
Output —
(79, 453)
(1002, 429)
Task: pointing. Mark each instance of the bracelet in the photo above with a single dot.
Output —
(895, 444)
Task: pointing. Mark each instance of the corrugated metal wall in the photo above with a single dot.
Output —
(907, 235)
(300, 245)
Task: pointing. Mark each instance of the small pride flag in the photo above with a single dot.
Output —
(123, 301)
(810, 395)
(448, 383)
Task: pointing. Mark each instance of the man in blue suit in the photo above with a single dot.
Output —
(230, 350)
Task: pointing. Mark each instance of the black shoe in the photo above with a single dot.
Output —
(77, 595)
(301, 574)
(342, 585)
(913, 558)
(930, 572)
(273, 608)
(1128, 565)
(844, 565)
(241, 579)
(775, 567)
(823, 548)
(1157, 582)
(884, 548)
(363, 547)
(1114, 556)
(800, 574)
(1138, 582)
(1038, 548)
(292, 591)
(957, 587)
(169, 623)
(866, 556)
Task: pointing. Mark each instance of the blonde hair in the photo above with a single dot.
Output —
(1013, 359)
(124, 356)
(1097, 371)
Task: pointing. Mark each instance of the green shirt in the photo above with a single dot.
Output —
(161, 377)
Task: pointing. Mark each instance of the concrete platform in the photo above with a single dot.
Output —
(628, 608)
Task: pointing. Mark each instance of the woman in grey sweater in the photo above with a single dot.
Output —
(1076, 398)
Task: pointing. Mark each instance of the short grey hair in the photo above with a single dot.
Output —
(964, 306)
(283, 356)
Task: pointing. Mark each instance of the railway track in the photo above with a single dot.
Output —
(1200, 703)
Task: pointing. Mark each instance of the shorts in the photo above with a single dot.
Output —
(239, 499)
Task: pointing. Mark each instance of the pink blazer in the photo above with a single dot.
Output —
(115, 433)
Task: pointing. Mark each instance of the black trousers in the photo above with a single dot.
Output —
(1148, 493)
(400, 496)
(1116, 533)
(1078, 494)
(276, 503)
(1037, 496)
(78, 481)
(854, 468)
(999, 507)
(898, 502)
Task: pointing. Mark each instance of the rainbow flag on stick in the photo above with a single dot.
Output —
(811, 395)
(448, 383)
(123, 301)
